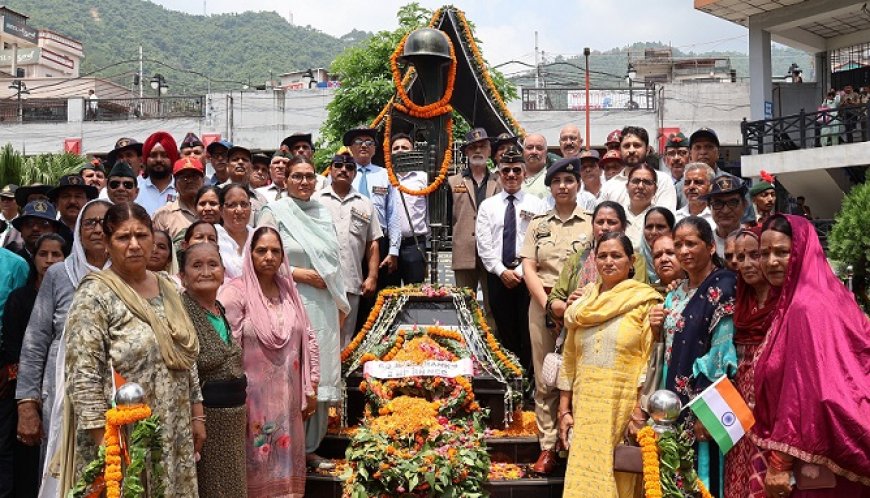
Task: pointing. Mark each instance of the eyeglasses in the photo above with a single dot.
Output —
(128, 185)
(514, 170)
(91, 223)
(299, 177)
(699, 183)
(365, 142)
(188, 178)
(349, 167)
(677, 152)
(641, 181)
(237, 205)
(718, 204)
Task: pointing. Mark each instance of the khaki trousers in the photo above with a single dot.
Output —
(470, 279)
(546, 398)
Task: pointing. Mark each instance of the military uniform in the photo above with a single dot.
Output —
(357, 225)
(174, 219)
(549, 242)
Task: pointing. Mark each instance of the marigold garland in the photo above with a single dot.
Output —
(434, 109)
(442, 172)
(652, 483)
(116, 418)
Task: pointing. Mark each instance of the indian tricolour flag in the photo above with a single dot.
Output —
(724, 413)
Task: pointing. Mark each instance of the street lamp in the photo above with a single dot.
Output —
(20, 88)
(629, 78)
(158, 83)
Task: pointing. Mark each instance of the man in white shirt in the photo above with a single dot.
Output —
(570, 141)
(502, 221)
(634, 147)
(278, 175)
(413, 215)
(697, 180)
(535, 157)
(358, 232)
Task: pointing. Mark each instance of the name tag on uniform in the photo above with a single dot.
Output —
(357, 213)
(460, 189)
(171, 198)
(526, 215)
(379, 190)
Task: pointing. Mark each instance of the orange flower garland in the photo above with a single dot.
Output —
(400, 339)
(435, 109)
(116, 418)
(442, 172)
(652, 484)
(495, 348)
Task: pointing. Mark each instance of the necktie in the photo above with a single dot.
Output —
(509, 240)
(363, 181)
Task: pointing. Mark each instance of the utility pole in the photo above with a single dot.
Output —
(537, 64)
(141, 73)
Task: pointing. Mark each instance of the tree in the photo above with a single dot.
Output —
(44, 168)
(849, 241)
(367, 84)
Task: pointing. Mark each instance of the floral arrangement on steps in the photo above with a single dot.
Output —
(421, 436)
(668, 465)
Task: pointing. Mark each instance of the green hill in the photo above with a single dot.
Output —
(236, 48)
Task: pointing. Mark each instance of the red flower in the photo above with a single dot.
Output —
(283, 442)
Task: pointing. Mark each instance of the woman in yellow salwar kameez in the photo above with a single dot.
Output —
(604, 361)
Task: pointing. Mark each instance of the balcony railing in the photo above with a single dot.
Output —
(639, 97)
(144, 108)
(807, 130)
(33, 110)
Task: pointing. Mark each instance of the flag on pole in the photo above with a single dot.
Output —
(724, 413)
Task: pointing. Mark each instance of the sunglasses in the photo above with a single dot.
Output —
(128, 185)
(718, 204)
(515, 170)
(699, 183)
(347, 166)
(360, 141)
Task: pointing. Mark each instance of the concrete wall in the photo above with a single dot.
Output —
(790, 98)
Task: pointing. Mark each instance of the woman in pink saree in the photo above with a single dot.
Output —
(812, 376)
(281, 362)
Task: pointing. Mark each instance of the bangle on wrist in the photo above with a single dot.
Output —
(198, 418)
(567, 412)
(23, 401)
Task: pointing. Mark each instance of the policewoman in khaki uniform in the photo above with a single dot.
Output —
(550, 240)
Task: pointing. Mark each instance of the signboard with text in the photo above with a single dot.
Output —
(19, 29)
(26, 56)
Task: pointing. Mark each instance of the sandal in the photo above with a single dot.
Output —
(317, 462)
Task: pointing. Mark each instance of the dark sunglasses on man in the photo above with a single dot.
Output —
(127, 184)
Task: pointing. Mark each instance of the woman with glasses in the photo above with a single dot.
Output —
(37, 369)
(550, 239)
(311, 244)
(641, 187)
(235, 202)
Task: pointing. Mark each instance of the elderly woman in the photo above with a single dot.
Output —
(811, 379)
(666, 263)
(745, 464)
(550, 239)
(658, 221)
(236, 208)
(24, 467)
(130, 323)
(281, 360)
(698, 331)
(311, 244)
(221, 470)
(36, 370)
(605, 362)
(642, 182)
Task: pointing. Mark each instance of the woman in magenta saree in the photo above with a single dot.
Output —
(281, 362)
(812, 375)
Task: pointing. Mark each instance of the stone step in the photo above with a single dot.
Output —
(530, 487)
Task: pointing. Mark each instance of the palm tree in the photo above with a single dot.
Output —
(44, 168)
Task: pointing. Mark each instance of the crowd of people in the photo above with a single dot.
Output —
(226, 282)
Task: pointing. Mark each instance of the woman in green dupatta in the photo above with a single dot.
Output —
(310, 242)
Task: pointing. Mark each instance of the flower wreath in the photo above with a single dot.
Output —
(667, 466)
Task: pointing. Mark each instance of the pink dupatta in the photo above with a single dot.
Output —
(812, 375)
(265, 322)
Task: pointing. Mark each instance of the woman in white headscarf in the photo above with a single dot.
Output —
(38, 375)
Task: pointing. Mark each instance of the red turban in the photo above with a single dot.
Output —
(164, 139)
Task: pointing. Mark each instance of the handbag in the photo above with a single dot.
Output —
(552, 364)
(627, 458)
(813, 476)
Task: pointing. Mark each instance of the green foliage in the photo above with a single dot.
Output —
(849, 240)
(237, 48)
(44, 168)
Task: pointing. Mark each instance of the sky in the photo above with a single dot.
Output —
(507, 27)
